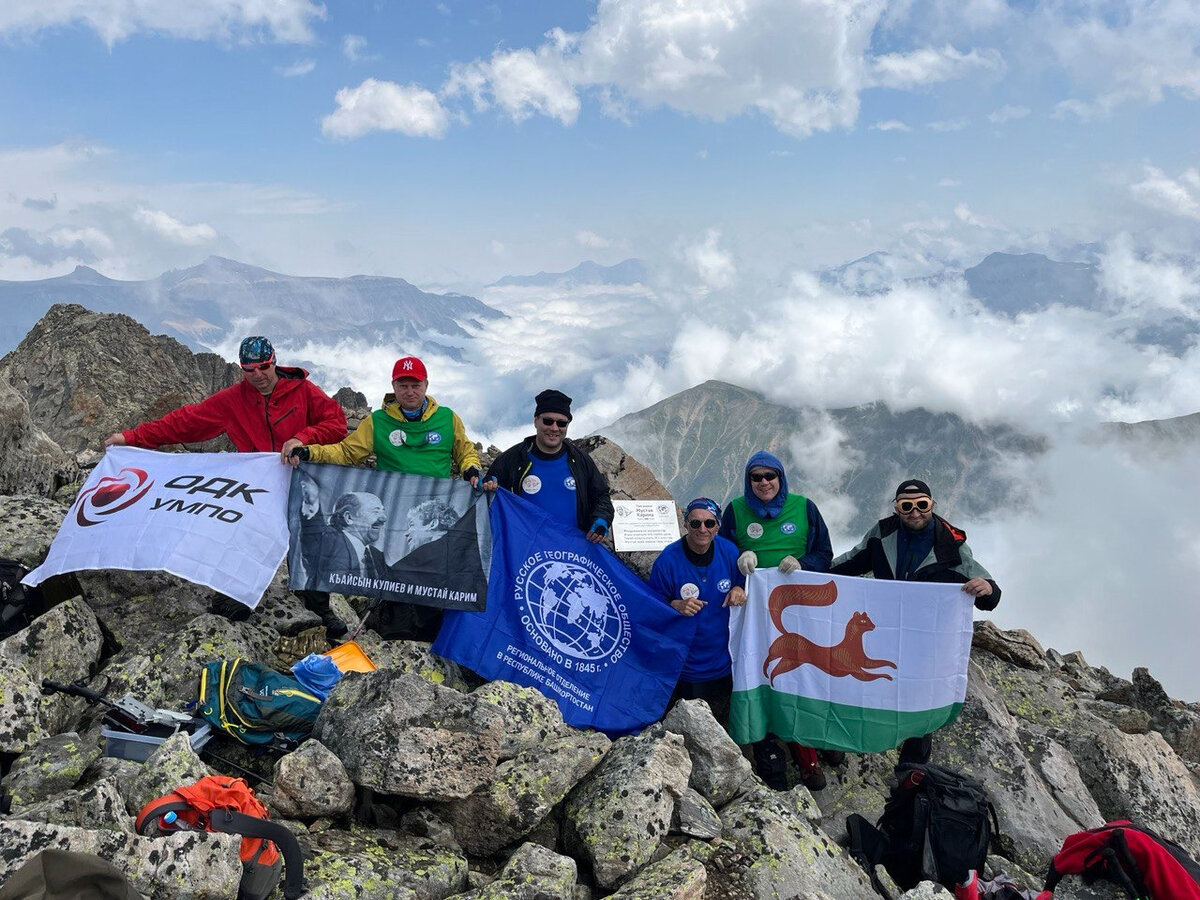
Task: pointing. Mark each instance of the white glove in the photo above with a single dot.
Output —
(788, 564)
(747, 562)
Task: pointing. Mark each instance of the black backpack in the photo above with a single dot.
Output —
(937, 825)
(19, 605)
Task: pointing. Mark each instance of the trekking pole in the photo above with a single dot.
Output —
(228, 762)
(363, 621)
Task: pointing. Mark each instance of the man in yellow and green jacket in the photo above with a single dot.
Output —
(410, 433)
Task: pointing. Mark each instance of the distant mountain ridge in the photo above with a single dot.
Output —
(200, 304)
(626, 272)
(697, 442)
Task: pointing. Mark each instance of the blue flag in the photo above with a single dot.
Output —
(566, 617)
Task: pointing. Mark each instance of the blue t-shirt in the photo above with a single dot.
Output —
(550, 485)
(673, 574)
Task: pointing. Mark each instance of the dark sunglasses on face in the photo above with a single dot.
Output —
(707, 523)
(756, 477)
(921, 504)
(551, 422)
(258, 367)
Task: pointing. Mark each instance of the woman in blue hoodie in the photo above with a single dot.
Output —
(773, 527)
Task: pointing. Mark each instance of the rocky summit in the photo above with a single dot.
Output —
(421, 783)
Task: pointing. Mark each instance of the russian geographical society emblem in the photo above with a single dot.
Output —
(572, 610)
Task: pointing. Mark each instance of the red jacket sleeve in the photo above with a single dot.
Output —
(189, 424)
(326, 422)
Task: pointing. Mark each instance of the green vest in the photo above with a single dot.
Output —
(785, 535)
(419, 448)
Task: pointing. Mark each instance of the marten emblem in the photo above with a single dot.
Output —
(794, 650)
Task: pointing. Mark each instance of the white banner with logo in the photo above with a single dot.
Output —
(218, 519)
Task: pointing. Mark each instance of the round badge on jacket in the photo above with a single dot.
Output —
(569, 483)
(531, 484)
(788, 528)
(396, 438)
(724, 585)
(688, 591)
(754, 530)
(435, 437)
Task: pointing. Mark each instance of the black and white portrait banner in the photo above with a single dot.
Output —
(405, 538)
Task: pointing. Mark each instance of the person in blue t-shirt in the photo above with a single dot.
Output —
(553, 472)
(698, 576)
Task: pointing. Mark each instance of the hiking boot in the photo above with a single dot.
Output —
(832, 757)
(228, 608)
(809, 765)
(969, 889)
(770, 764)
(335, 628)
(813, 778)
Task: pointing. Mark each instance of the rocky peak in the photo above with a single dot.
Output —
(85, 375)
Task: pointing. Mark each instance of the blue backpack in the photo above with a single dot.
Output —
(256, 705)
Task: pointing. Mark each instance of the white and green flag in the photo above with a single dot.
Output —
(847, 663)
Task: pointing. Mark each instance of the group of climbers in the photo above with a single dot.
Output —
(277, 409)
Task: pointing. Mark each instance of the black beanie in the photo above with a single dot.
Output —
(913, 486)
(552, 401)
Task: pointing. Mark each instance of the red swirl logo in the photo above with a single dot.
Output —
(111, 495)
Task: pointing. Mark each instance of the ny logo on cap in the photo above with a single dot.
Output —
(408, 364)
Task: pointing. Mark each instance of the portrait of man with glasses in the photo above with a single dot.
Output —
(916, 544)
(551, 471)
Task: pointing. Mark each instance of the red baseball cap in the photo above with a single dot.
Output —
(409, 367)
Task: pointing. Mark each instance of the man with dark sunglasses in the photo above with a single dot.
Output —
(916, 544)
(269, 406)
(552, 471)
(698, 576)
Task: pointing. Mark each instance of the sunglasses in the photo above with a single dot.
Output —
(921, 504)
(258, 367)
(756, 477)
(706, 523)
(551, 422)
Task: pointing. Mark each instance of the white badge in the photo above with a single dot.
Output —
(532, 484)
(754, 530)
(688, 591)
(396, 438)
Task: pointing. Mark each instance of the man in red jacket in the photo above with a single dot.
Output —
(269, 406)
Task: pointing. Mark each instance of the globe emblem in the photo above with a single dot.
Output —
(573, 611)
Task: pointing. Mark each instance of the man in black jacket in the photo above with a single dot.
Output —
(552, 471)
(914, 544)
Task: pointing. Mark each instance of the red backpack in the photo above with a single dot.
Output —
(228, 805)
(1147, 866)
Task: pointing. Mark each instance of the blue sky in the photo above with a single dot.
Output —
(455, 142)
(734, 145)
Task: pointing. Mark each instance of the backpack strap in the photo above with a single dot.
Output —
(157, 808)
(867, 845)
(232, 822)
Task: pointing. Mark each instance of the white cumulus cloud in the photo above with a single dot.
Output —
(385, 106)
(930, 65)
(521, 82)
(170, 228)
(1160, 191)
(298, 68)
(286, 21)
(591, 239)
(354, 47)
(1008, 114)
